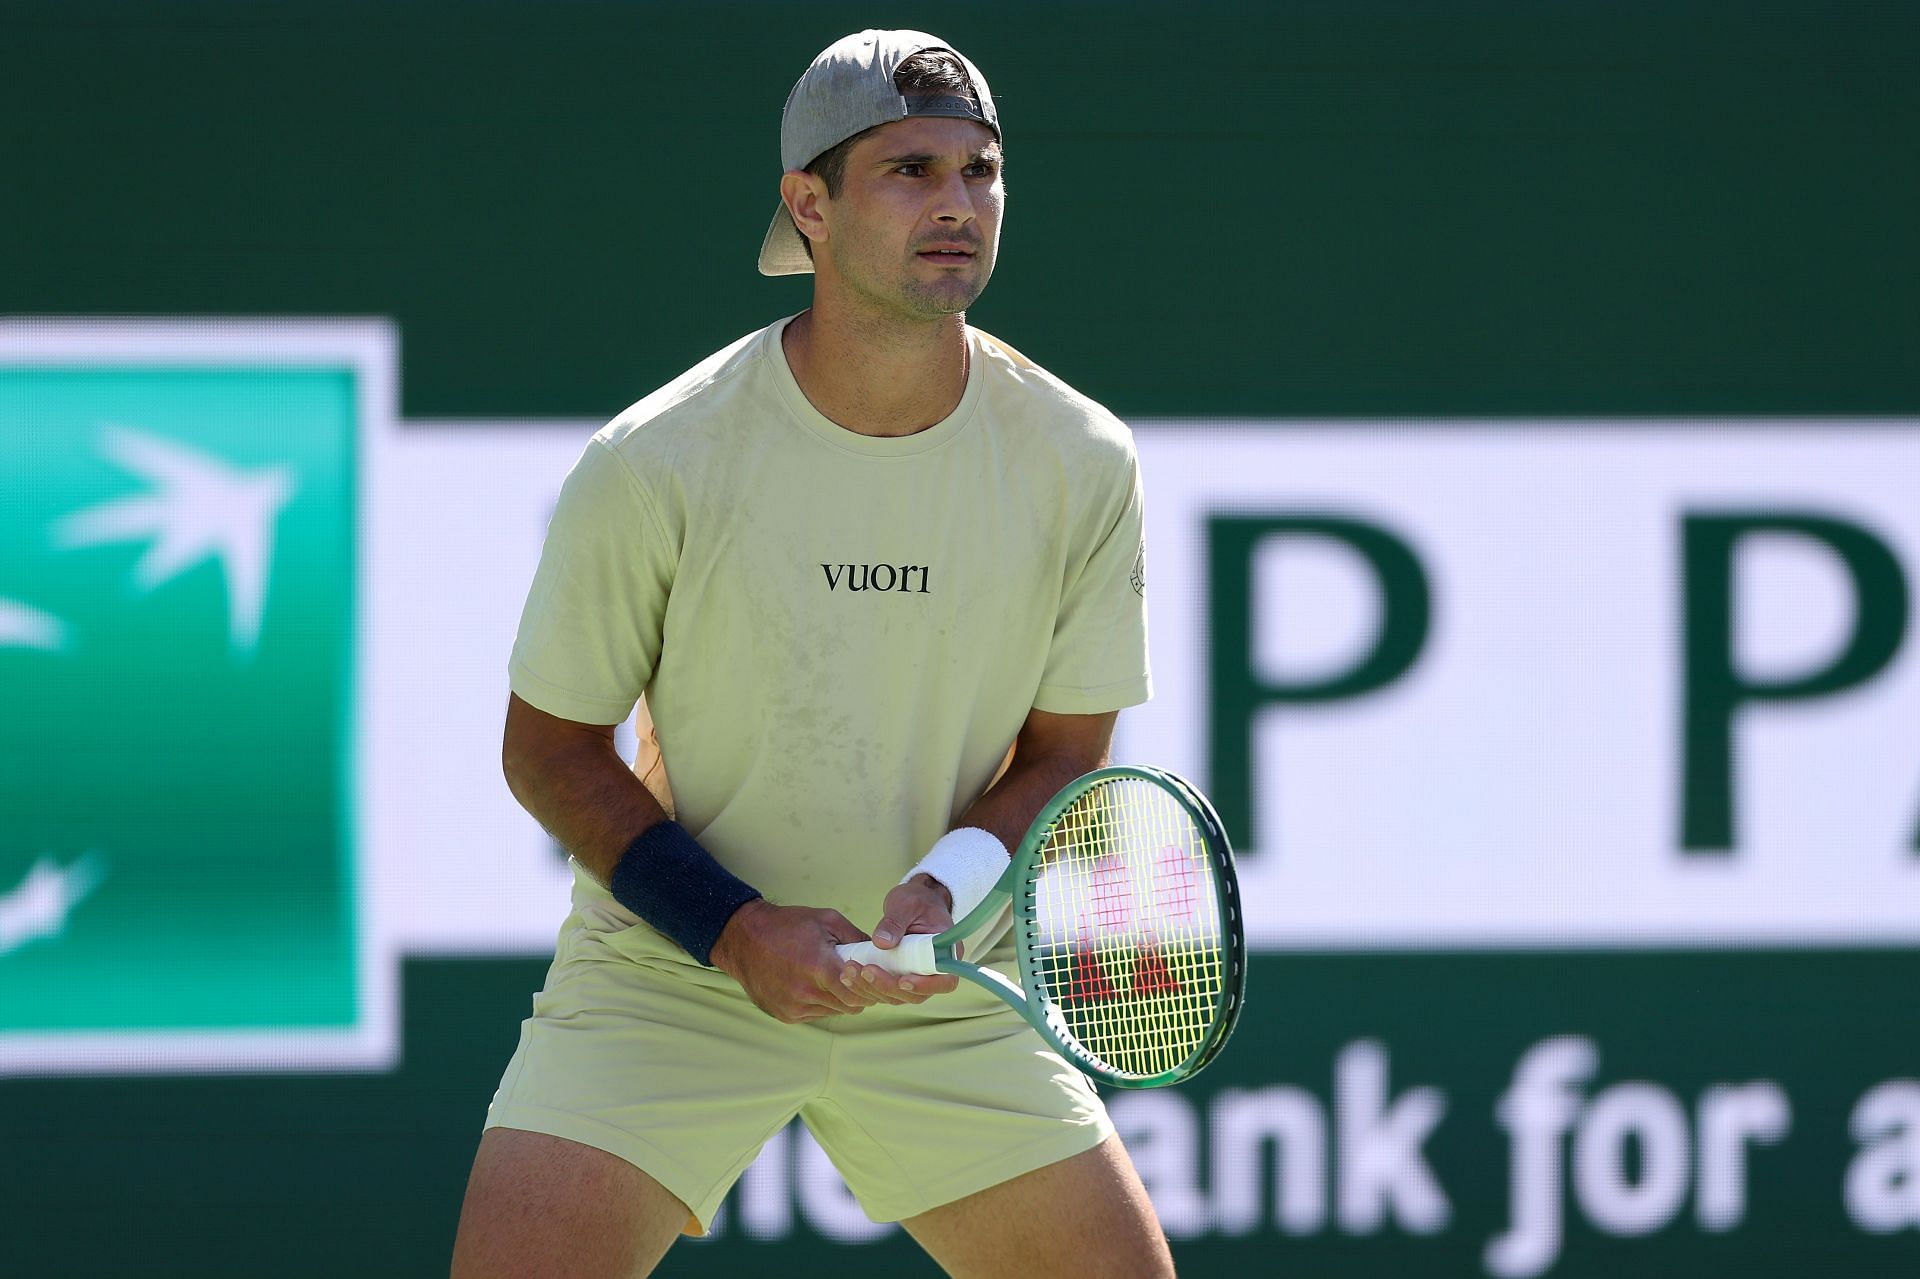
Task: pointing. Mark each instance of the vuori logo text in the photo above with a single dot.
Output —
(876, 577)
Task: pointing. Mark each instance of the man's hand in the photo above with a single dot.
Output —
(921, 905)
(782, 956)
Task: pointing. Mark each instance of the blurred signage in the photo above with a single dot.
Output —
(1511, 684)
(1453, 685)
(181, 877)
(1574, 768)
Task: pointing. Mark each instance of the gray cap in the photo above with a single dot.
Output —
(849, 89)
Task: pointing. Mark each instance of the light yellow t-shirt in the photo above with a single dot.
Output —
(838, 636)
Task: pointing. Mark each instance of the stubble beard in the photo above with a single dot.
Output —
(928, 300)
(916, 299)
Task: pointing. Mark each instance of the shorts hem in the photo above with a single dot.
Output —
(674, 1176)
(958, 1184)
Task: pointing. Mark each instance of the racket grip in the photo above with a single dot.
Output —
(913, 955)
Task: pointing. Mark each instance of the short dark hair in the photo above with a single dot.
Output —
(926, 72)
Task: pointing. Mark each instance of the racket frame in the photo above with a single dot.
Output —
(1010, 902)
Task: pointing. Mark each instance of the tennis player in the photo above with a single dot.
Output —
(878, 578)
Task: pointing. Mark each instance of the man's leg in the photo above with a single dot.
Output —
(1088, 1215)
(540, 1206)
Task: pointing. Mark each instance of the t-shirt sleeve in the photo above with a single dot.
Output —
(1098, 658)
(590, 633)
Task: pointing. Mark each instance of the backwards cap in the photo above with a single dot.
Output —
(849, 89)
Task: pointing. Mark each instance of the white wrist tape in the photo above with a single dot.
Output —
(969, 861)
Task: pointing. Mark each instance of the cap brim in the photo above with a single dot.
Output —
(784, 252)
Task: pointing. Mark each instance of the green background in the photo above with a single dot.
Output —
(1352, 207)
(1357, 209)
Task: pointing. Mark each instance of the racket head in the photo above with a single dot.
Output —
(1128, 927)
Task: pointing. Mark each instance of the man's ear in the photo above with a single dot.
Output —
(804, 193)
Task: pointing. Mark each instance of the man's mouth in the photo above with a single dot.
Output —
(947, 254)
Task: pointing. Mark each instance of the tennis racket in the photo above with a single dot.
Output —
(1125, 915)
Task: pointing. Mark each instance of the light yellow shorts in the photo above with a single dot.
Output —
(634, 1049)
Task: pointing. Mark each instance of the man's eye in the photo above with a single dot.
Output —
(910, 170)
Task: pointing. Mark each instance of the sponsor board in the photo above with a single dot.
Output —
(1452, 684)
(1575, 769)
(189, 745)
(1562, 683)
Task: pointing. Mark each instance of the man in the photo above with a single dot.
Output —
(876, 575)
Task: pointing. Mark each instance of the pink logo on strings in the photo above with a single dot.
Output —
(1110, 904)
(1175, 888)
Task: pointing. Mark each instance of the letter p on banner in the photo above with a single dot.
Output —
(1238, 692)
(1715, 691)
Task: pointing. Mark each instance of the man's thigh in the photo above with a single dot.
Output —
(541, 1206)
(663, 1064)
(1087, 1215)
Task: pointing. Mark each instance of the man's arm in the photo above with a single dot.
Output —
(1050, 751)
(573, 781)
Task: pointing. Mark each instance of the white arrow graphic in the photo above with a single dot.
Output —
(22, 626)
(41, 904)
(199, 507)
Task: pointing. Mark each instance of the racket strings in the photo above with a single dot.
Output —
(1131, 952)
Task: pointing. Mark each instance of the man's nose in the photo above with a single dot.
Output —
(953, 200)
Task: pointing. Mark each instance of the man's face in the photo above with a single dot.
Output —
(917, 222)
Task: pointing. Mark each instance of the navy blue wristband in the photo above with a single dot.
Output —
(667, 879)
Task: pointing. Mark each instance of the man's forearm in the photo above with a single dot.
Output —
(1035, 775)
(570, 777)
(967, 861)
(1011, 804)
(585, 795)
